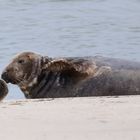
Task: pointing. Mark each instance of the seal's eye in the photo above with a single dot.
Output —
(21, 61)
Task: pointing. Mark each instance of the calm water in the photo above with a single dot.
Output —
(69, 28)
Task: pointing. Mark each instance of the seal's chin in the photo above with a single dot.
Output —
(10, 81)
(13, 82)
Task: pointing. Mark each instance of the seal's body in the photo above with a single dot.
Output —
(44, 77)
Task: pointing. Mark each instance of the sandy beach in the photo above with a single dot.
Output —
(98, 118)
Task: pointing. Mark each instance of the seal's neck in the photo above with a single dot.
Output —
(41, 85)
(32, 79)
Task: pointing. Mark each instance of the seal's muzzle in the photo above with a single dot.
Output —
(6, 78)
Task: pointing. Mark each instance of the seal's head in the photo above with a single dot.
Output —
(23, 68)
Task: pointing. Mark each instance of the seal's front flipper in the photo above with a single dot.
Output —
(3, 89)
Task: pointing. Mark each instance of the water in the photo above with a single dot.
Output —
(69, 28)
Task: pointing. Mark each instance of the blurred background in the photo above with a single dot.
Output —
(69, 28)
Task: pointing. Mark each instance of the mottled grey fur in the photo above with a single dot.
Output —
(79, 77)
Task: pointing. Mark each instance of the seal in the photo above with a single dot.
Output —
(3, 89)
(44, 77)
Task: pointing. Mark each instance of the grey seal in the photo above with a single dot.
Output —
(44, 77)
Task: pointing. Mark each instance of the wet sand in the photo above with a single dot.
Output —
(98, 118)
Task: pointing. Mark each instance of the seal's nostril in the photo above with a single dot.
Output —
(4, 75)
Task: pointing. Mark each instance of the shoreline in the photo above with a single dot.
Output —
(98, 118)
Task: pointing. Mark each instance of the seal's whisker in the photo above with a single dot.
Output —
(19, 80)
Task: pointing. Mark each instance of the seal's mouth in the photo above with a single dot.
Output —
(7, 79)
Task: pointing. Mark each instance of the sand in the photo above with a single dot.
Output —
(90, 118)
